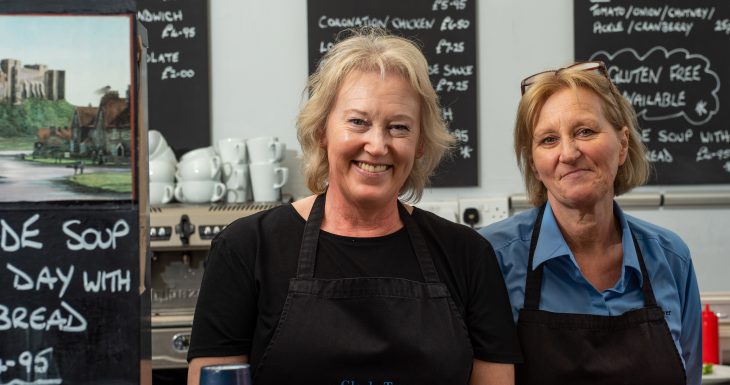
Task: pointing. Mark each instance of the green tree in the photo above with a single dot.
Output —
(25, 119)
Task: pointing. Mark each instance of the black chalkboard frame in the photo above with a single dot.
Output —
(57, 263)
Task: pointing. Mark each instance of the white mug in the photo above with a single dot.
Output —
(155, 142)
(165, 154)
(265, 149)
(232, 150)
(236, 195)
(199, 168)
(160, 192)
(202, 152)
(161, 171)
(199, 191)
(236, 176)
(266, 181)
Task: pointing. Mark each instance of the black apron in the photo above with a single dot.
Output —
(366, 331)
(560, 348)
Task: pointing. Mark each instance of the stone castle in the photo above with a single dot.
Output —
(31, 81)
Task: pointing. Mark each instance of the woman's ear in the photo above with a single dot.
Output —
(623, 136)
(419, 150)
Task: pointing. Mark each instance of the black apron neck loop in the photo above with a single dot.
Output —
(419, 246)
(533, 284)
(308, 249)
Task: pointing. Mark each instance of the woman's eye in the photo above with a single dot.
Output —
(399, 130)
(358, 122)
(549, 140)
(585, 131)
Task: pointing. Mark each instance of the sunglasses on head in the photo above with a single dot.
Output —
(579, 66)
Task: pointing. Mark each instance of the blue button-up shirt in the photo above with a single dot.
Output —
(566, 290)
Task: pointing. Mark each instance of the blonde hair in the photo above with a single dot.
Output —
(371, 50)
(617, 110)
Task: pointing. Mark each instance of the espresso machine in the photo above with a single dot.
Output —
(180, 237)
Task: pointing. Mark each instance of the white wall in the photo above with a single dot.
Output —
(259, 68)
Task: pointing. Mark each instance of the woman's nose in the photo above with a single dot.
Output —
(377, 141)
(569, 151)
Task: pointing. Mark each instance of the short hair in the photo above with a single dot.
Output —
(371, 50)
(617, 110)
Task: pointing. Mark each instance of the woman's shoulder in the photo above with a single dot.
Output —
(512, 229)
(665, 238)
(261, 222)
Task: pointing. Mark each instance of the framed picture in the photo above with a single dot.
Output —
(67, 108)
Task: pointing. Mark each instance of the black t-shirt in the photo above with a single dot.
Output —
(251, 261)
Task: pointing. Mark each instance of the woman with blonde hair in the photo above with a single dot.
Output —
(351, 285)
(599, 297)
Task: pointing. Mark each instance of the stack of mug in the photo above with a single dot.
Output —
(161, 169)
(235, 170)
(265, 154)
(199, 177)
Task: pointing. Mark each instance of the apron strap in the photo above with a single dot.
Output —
(308, 249)
(428, 269)
(649, 299)
(533, 283)
(310, 238)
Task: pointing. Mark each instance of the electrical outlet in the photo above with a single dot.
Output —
(445, 209)
(480, 212)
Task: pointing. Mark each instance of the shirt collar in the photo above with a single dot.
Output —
(551, 244)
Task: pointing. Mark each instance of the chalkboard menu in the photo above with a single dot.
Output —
(69, 300)
(446, 32)
(669, 59)
(178, 78)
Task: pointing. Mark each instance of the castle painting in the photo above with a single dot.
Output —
(30, 81)
(66, 107)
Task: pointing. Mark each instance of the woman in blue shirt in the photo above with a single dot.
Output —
(608, 298)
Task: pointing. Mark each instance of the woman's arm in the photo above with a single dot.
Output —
(197, 363)
(489, 373)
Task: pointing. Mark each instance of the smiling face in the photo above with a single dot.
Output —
(575, 150)
(372, 137)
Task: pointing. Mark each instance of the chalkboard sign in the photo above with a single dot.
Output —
(669, 59)
(178, 78)
(69, 299)
(446, 32)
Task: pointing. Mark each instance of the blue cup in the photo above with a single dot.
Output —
(235, 374)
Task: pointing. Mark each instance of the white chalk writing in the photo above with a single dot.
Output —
(154, 16)
(719, 136)
(171, 73)
(91, 239)
(411, 24)
(66, 319)
(163, 57)
(446, 85)
(450, 24)
(170, 31)
(28, 363)
(10, 240)
(23, 281)
(705, 153)
(113, 281)
(675, 137)
(352, 22)
(445, 46)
